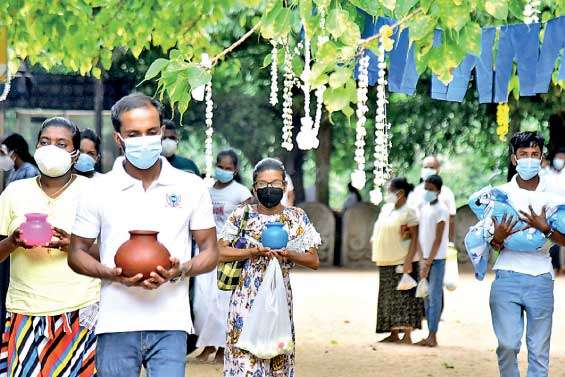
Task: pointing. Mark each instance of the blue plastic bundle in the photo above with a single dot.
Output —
(557, 219)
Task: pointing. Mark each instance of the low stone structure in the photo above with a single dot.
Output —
(358, 224)
(324, 221)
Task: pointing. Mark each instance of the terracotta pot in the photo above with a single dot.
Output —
(36, 231)
(142, 253)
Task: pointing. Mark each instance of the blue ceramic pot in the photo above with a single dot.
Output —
(274, 236)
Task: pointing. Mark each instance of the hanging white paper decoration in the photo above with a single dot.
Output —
(531, 11)
(358, 177)
(7, 85)
(209, 154)
(274, 99)
(306, 138)
(287, 100)
(381, 166)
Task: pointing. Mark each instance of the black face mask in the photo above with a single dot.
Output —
(270, 197)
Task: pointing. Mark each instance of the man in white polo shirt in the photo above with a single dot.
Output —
(143, 321)
(524, 280)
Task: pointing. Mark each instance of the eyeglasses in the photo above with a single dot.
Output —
(275, 184)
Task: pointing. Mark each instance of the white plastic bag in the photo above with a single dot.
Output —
(406, 282)
(422, 288)
(267, 330)
(451, 277)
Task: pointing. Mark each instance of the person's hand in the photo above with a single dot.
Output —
(425, 269)
(284, 255)
(162, 275)
(260, 251)
(16, 240)
(505, 228)
(115, 274)
(536, 221)
(407, 268)
(63, 240)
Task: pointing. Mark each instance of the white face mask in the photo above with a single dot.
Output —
(169, 147)
(53, 161)
(391, 197)
(6, 163)
(427, 172)
(558, 163)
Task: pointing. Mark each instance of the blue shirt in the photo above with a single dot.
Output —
(27, 170)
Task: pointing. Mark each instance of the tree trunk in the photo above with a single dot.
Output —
(323, 154)
(294, 161)
(515, 120)
(98, 109)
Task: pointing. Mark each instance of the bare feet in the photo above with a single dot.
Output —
(407, 339)
(205, 355)
(428, 342)
(219, 358)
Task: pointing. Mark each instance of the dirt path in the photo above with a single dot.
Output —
(335, 316)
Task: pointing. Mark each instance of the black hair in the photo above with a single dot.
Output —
(352, 189)
(19, 145)
(169, 124)
(89, 134)
(436, 181)
(131, 102)
(231, 154)
(64, 123)
(268, 164)
(526, 139)
(400, 183)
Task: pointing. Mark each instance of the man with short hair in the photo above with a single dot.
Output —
(170, 144)
(524, 280)
(143, 320)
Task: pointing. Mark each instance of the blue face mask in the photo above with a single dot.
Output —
(143, 151)
(85, 163)
(224, 176)
(528, 168)
(430, 196)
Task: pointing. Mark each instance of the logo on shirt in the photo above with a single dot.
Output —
(173, 200)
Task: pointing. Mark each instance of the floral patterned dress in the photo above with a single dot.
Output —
(302, 237)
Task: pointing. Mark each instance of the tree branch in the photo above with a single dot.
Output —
(235, 44)
(397, 24)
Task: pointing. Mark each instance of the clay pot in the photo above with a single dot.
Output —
(36, 231)
(274, 236)
(142, 253)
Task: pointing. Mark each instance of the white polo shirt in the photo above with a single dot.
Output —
(176, 203)
(538, 263)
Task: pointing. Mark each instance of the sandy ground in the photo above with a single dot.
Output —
(335, 314)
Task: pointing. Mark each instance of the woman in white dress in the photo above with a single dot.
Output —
(212, 304)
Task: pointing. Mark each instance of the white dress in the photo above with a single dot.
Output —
(211, 305)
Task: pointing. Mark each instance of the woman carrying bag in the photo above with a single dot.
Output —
(268, 186)
(395, 243)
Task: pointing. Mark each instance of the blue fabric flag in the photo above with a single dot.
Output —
(553, 42)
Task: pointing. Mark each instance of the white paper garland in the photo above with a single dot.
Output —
(358, 177)
(287, 100)
(306, 138)
(209, 156)
(531, 11)
(274, 99)
(382, 143)
(7, 85)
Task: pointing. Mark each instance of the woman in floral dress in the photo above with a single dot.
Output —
(268, 186)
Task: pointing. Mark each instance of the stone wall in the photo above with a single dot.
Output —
(324, 221)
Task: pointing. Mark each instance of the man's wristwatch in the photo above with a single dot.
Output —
(183, 275)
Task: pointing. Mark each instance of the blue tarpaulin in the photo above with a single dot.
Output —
(518, 43)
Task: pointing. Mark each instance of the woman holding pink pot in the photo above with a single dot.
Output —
(48, 305)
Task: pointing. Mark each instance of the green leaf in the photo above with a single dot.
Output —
(197, 76)
(403, 7)
(267, 60)
(347, 111)
(155, 68)
(516, 7)
(339, 77)
(336, 99)
(305, 8)
(336, 22)
(389, 4)
(470, 38)
(421, 26)
(370, 6)
(452, 16)
(497, 8)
